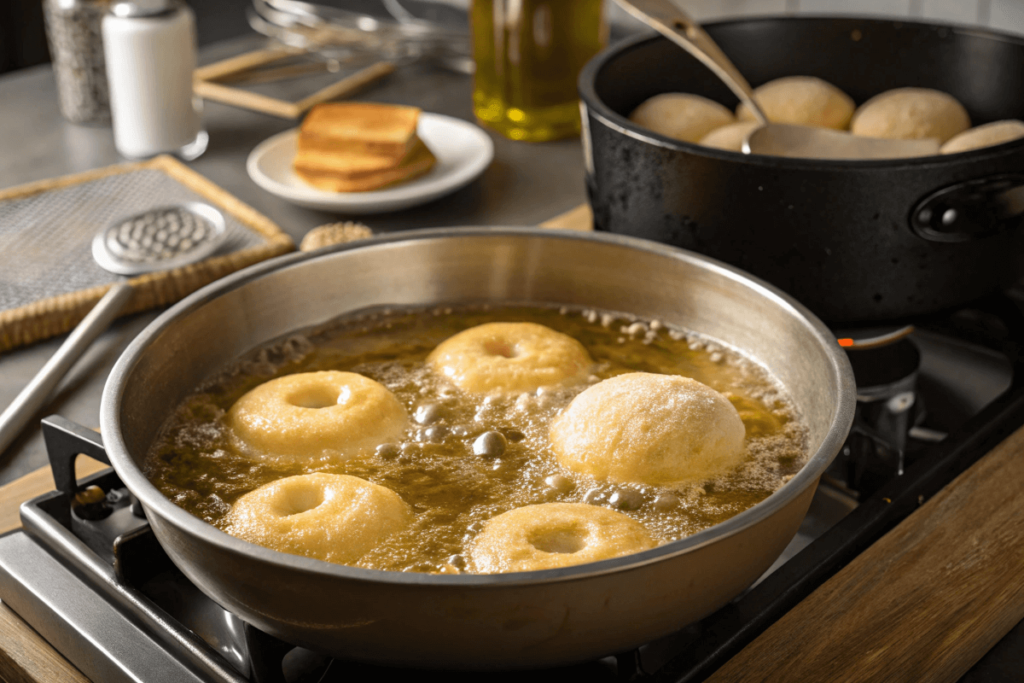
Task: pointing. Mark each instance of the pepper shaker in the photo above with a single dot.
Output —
(150, 49)
(73, 33)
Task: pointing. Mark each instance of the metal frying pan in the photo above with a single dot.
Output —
(477, 621)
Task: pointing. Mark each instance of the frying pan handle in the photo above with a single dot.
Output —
(971, 209)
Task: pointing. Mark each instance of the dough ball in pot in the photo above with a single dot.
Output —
(910, 114)
(314, 415)
(994, 133)
(554, 535)
(729, 137)
(803, 101)
(649, 429)
(510, 358)
(681, 116)
(330, 517)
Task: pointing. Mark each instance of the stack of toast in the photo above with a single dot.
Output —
(360, 146)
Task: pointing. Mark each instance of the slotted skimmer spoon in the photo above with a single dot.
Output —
(157, 239)
(774, 139)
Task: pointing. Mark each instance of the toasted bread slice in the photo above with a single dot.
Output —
(348, 162)
(416, 163)
(385, 130)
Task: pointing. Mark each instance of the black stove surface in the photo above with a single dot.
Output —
(97, 585)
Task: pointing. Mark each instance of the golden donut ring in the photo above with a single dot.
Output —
(510, 358)
(554, 535)
(316, 414)
(331, 517)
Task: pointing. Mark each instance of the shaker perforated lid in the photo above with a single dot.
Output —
(138, 9)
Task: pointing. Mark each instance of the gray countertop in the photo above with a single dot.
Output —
(526, 184)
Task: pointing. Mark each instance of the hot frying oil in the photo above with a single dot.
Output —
(452, 490)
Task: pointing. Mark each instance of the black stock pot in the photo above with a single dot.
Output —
(855, 241)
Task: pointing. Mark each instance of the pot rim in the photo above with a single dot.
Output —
(155, 502)
(597, 108)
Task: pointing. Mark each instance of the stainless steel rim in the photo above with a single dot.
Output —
(155, 501)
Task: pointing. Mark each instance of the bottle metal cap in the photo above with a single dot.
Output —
(138, 9)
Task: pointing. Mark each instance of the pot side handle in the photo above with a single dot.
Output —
(65, 441)
(971, 209)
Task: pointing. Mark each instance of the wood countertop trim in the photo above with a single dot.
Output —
(25, 657)
(923, 603)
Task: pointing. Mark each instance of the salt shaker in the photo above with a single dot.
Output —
(150, 49)
(73, 32)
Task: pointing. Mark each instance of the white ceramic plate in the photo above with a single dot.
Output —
(462, 149)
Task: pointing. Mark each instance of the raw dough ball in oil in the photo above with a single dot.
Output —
(803, 101)
(911, 114)
(316, 414)
(994, 133)
(681, 116)
(510, 358)
(555, 535)
(331, 517)
(650, 429)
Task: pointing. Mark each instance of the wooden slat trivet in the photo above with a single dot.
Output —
(923, 603)
(204, 84)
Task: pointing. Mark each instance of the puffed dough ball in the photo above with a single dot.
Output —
(316, 414)
(649, 429)
(555, 535)
(803, 101)
(987, 135)
(910, 114)
(681, 116)
(510, 358)
(331, 517)
(729, 137)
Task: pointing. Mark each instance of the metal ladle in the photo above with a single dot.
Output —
(775, 139)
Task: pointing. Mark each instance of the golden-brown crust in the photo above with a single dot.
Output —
(510, 358)
(316, 415)
(331, 517)
(554, 535)
(358, 175)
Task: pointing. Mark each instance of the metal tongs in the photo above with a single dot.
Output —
(775, 139)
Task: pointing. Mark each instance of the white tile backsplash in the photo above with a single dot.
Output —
(720, 9)
(871, 8)
(949, 11)
(1006, 15)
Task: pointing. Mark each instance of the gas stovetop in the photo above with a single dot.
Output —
(87, 573)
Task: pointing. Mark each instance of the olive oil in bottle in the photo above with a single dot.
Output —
(528, 56)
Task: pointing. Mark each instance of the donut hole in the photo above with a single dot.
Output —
(565, 541)
(299, 499)
(314, 397)
(500, 347)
